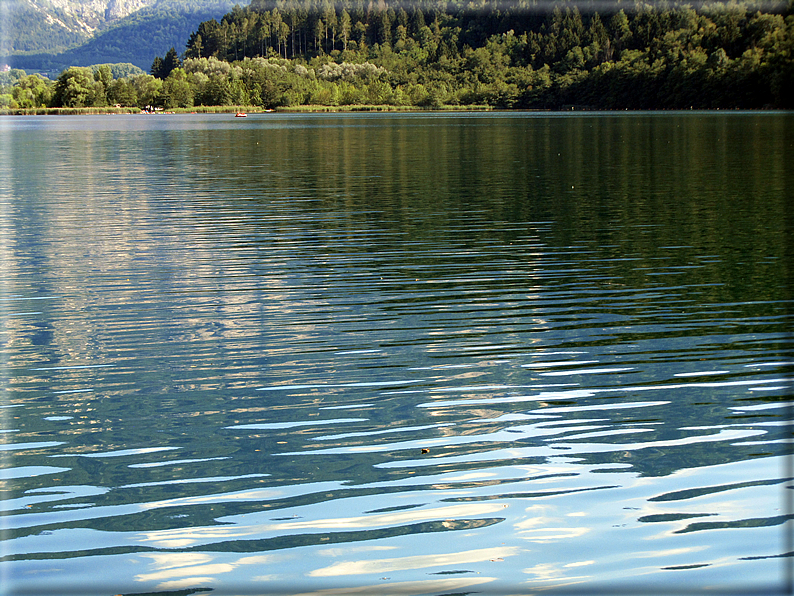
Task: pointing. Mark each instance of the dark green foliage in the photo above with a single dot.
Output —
(170, 62)
(157, 67)
(162, 67)
(423, 54)
(640, 56)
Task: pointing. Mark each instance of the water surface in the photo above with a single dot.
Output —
(381, 354)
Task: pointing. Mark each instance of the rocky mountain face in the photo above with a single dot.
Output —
(118, 9)
(46, 25)
(49, 35)
(85, 16)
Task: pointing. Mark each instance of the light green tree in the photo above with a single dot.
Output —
(122, 92)
(176, 91)
(32, 91)
(147, 88)
(75, 88)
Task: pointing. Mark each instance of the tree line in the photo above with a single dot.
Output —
(632, 56)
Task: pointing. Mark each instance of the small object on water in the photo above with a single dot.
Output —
(241, 115)
(425, 450)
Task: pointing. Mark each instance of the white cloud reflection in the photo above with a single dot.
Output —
(187, 537)
(540, 527)
(181, 570)
(174, 571)
(555, 572)
(413, 562)
(403, 588)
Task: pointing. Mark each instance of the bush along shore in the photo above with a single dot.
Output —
(112, 110)
(736, 55)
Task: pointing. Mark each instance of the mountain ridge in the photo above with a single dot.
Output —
(134, 31)
(46, 25)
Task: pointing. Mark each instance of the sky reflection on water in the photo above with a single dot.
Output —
(396, 354)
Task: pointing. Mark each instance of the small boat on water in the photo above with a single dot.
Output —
(241, 115)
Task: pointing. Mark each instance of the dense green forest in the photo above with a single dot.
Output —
(431, 53)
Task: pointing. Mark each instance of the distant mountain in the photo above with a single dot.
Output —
(50, 35)
(52, 25)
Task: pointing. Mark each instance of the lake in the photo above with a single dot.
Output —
(430, 353)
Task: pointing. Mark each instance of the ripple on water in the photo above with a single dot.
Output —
(288, 353)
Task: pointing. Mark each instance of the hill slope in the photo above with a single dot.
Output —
(54, 39)
(53, 25)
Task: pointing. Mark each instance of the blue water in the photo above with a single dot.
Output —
(396, 354)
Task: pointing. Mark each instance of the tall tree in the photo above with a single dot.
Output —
(170, 62)
(344, 28)
(157, 67)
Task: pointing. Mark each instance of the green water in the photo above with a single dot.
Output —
(414, 353)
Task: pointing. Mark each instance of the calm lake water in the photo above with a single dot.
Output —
(412, 354)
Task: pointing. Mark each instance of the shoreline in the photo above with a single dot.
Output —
(309, 109)
(235, 109)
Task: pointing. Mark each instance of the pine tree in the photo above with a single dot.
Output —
(170, 62)
(157, 68)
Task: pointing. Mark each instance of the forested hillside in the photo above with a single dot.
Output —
(50, 26)
(26, 30)
(434, 53)
(607, 55)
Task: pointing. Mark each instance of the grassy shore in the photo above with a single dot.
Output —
(235, 109)
(65, 111)
(382, 108)
(114, 110)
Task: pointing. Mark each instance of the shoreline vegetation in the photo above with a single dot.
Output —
(112, 110)
(322, 56)
(316, 109)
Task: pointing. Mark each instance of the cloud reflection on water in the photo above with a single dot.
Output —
(413, 562)
(430, 586)
(188, 537)
(181, 570)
